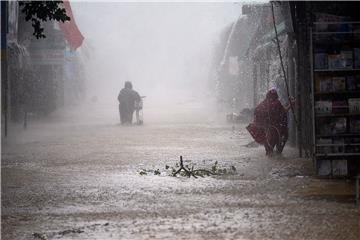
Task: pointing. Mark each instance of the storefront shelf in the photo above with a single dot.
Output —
(339, 93)
(338, 70)
(338, 144)
(337, 115)
(337, 154)
(350, 135)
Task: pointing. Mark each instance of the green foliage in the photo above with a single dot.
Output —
(202, 172)
(143, 172)
(147, 171)
(40, 236)
(214, 168)
(189, 170)
(42, 11)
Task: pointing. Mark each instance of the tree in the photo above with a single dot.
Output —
(43, 11)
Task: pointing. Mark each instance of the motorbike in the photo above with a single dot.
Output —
(139, 114)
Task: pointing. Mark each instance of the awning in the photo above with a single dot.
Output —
(18, 54)
(70, 29)
(271, 34)
(267, 39)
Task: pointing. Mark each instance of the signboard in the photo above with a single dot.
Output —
(47, 56)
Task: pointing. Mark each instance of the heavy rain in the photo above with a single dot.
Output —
(182, 120)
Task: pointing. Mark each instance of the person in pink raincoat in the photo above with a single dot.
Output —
(270, 123)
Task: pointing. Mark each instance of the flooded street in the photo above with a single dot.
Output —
(103, 103)
(78, 179)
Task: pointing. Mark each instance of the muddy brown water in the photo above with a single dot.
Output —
(82, 181)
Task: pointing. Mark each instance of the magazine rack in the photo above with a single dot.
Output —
(335, 63)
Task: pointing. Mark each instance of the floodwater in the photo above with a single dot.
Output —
(73, 178)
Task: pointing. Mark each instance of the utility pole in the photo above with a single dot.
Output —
(4, 66)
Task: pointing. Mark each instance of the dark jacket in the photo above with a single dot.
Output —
(127, 99)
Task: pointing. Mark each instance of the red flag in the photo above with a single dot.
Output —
(70, 29)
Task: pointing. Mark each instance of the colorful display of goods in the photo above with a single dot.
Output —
(354, 105)
(323, 107)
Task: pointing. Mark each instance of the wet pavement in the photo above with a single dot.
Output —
(80, 180)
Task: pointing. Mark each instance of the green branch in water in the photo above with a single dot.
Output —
(186, 171)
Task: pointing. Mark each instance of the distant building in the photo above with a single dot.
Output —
(319, 45)
(232, 73)
(43, 74)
